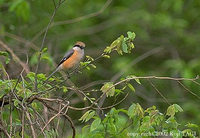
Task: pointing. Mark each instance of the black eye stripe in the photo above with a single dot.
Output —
(79, 46)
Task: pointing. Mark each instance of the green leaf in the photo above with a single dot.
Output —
(31, 76)
(6, 55)
(131, 45)
(14, 5)
(92, 65)
(91, 114)
(106, 56)
(3, 53)
(171, 110)
(16, 102)
(64, 89)
(131, 87)
(41, 76)
(84, 116)
(178, 108)
(23, 10)
(190, 125)
(44, 50)
(93, 99)
(118, 91)
(88, 68)
(90, 58)
(171, 122)
(124, 47)
(131, 35)
(108, 50)
(108, 88)
(34, 59)
(95, 124)
(133, 77)
(87, 116)
(119, 46)
(135, 110)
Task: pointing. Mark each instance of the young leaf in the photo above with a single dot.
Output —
(92, 65)
(133, 77)
(171, 110)
(119, 46)
(87, 116)
(6, 55)
(64, 89)
(135, 110)
(178, 108)
(95, 124)
(41, 76)
(44, 50)
(131, 87)
(108, 88)
(190, 125)
(91, 114)
(106, 56)
(16, 102)
(124, 47)
(90, 58)
(31, 76)
(131, 35)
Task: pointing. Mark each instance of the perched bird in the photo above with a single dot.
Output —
(72, 58)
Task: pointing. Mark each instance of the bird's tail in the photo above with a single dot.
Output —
(51, 75)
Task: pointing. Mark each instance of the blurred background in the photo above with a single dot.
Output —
(167, 44)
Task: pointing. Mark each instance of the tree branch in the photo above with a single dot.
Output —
(15, 57)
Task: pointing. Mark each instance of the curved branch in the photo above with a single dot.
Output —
(15, 57)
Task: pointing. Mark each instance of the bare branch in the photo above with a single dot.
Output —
(16, 58)
(70, 21)
(165, 99)
(54, 116)
(3, 129)
(188, 89)
(31, 125)
(43, 40)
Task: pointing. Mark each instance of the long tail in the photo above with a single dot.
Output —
(51, 75)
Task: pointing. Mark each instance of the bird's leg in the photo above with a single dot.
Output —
(76, 70)
(68, 75)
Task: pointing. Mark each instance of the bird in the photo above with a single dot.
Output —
(71, 59)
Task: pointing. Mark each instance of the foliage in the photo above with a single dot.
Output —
(167, 44)
(137, 122)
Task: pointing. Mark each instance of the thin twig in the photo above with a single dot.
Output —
(31, 124)
(54, 116)
(15, 57)
(70, 21)
(23, 124)
(66, 116)
(43, 40)
(135, 61)
(4, 130)
(22, 40)
(188, 89)
(165, 99)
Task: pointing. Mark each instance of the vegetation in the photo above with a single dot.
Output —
(139, 77)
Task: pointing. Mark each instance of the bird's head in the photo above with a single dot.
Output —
(80, 45)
